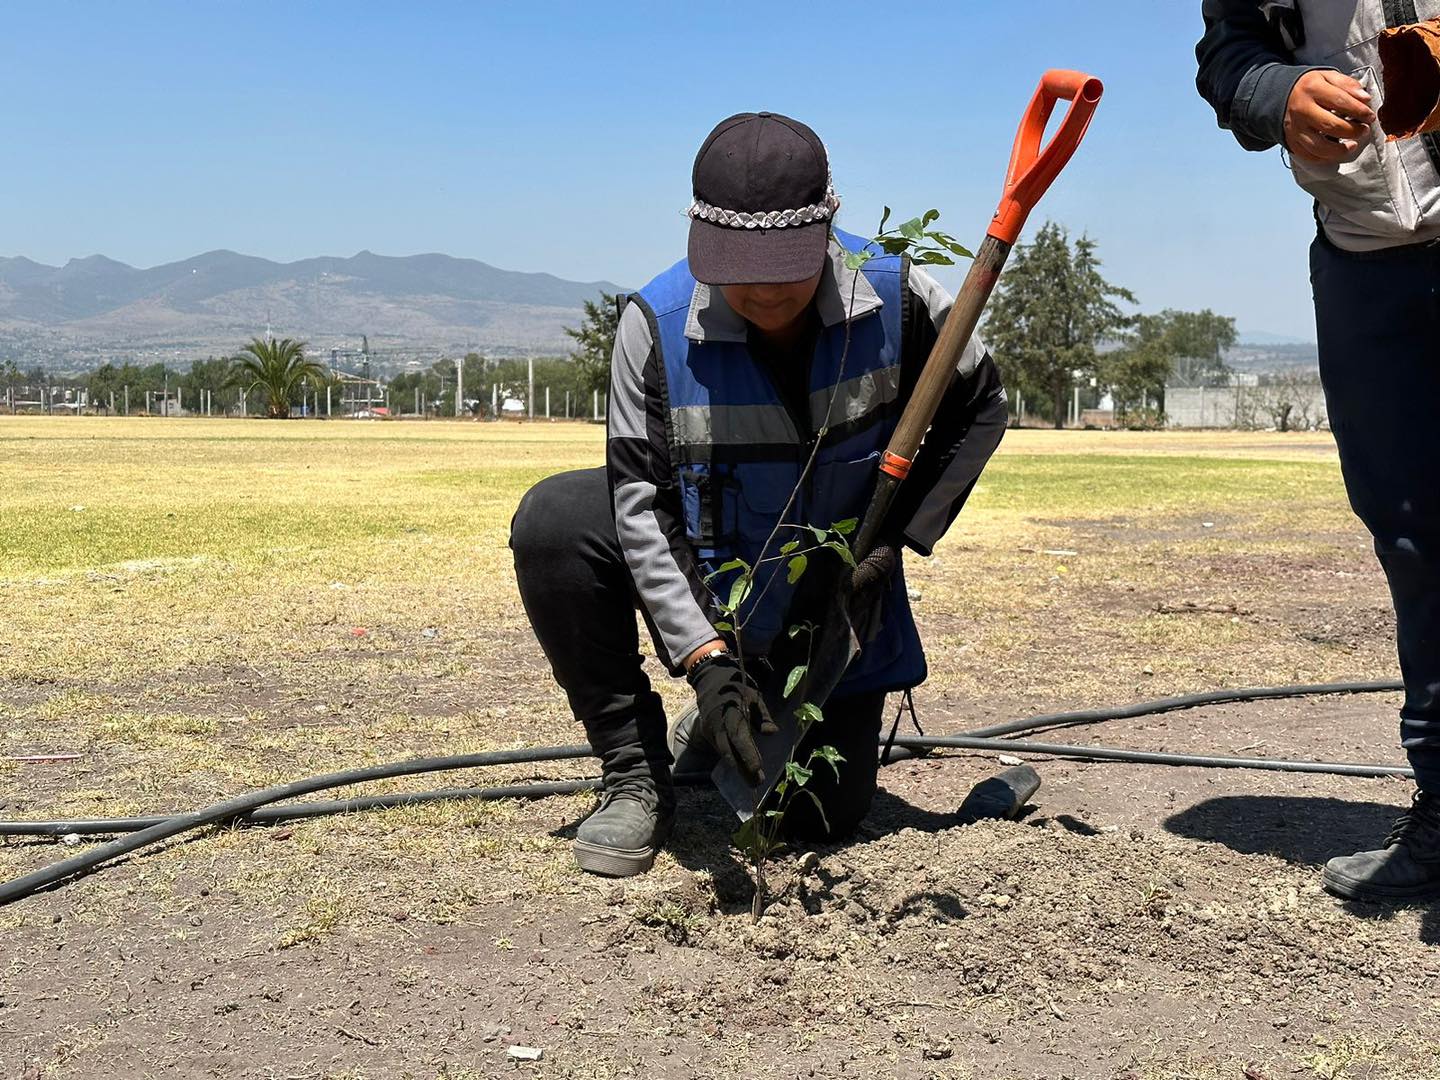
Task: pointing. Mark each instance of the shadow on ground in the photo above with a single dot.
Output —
(1306, 830)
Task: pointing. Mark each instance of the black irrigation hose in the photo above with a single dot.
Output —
(247, 808)
(1184, 701)
(274, 815)
(1148, 757)
(235, 808)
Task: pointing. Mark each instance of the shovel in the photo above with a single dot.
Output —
(833, 645)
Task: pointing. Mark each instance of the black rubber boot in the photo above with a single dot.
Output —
(1406, 868)
(637, 808)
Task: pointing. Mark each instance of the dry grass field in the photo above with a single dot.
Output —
(197, 608)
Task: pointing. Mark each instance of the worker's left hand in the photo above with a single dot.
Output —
(730, 708)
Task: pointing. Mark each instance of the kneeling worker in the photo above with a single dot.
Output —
(726, 368)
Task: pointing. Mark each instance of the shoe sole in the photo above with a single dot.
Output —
(1350, 889)
(613, 862)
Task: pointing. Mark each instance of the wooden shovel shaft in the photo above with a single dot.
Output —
(934, 380)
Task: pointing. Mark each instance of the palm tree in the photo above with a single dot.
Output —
(278, 368)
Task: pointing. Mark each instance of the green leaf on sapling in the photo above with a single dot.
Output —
(739, 591)
(725, 568)
(793, 679)
(821, 809)
(830, 756)
(798, 773)
(809, 713)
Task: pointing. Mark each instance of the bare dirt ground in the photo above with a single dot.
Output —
(1138, 923)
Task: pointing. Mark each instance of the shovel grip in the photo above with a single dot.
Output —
(1032, 169)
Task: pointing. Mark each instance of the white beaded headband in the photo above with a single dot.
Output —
(823, 210)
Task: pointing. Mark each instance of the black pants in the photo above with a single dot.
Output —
(1377, 317)
(581, 602)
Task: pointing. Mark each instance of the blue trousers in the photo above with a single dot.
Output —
(1377, 318)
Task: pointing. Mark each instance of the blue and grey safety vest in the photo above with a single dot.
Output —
(737, 453)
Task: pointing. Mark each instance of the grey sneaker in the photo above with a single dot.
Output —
(622, 837)
(1406, 868)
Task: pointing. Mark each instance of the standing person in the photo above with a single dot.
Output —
(1305, 74)
(727, 369)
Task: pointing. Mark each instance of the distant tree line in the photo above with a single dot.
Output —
(276, 376)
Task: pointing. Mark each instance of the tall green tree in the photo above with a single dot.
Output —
(1191, 344)
(596, 343)
(213, 374)
(1050, 311)
(1198, 340)
(279, 368)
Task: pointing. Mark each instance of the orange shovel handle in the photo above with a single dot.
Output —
(1032, 169)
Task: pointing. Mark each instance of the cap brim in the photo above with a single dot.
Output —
(724, 256)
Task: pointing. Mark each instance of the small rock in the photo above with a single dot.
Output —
(1010, 759)
(1147, 670)
(526, 1053)
(914, 595)
(492, 1031)
(429, 632)
(70, 839)
(807, 862)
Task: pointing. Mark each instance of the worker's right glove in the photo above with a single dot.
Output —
(730, 707)
(868, 582)
(873, 573)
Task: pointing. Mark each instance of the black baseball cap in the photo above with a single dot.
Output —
(763, 202)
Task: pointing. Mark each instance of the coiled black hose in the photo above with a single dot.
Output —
(258, 806)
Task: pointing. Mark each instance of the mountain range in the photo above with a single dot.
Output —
(216, 301)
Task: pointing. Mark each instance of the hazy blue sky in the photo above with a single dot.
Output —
(559, 137)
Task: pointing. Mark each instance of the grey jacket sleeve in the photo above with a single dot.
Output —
(646, 497)
(1246, 72)
(967, 427)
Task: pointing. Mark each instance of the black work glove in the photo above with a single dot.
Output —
(873, 572)
(868, 582)
(729, 706)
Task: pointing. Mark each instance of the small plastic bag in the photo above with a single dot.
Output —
(1410, 60)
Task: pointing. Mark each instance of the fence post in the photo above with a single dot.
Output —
(547, 403)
